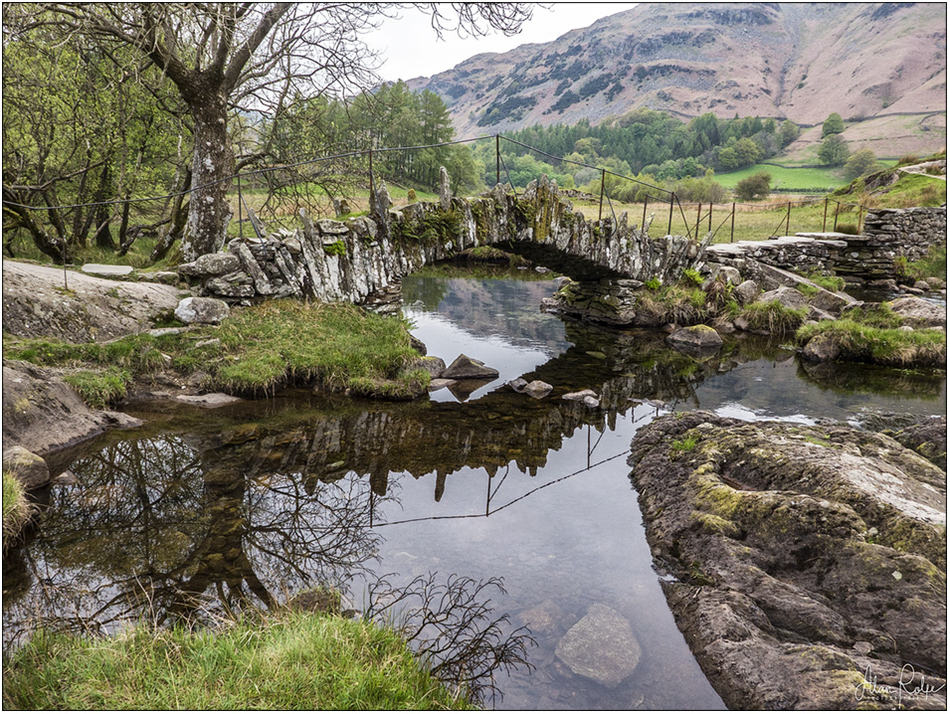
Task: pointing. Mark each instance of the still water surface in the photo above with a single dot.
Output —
(260, 500)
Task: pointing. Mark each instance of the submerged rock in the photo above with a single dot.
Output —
(601, 647)
(538, 389)
(810, 560)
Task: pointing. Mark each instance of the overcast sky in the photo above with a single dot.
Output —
(409, 47)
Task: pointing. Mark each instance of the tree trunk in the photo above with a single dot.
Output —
(212, 167)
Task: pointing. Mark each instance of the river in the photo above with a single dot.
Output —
(202, 511)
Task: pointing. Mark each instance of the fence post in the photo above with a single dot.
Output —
(788, 219)
(732, 230)
(669, 228)
(603, 181)
(710, 216)
(498, 160)
(837, 206)
(824, 219)
(643, 223)
(860, 217)
(372, 183)
(240, 216)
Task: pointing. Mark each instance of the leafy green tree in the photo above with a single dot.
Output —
(834, 124)
(753, 187)
(89, 139)
(747, 152)
(860, 163)
(225, 56)
(833, 150)
(788, 132)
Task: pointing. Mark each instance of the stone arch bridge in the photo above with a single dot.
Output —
(362, 260)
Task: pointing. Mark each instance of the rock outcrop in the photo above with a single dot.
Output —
(37, 303)
(808, 562)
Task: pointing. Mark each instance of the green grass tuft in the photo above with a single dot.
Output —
(99, 389)
(288, 661)
(773, 317)
(255, 351)
(16, 508)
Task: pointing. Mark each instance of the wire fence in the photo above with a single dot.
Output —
(693, 219)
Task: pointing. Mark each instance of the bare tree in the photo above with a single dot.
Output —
(224, 57)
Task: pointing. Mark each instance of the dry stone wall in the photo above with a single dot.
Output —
(889, 233)
(360, 259)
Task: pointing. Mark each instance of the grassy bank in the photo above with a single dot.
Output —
(16, 509)
(288, 661)
(253, 352)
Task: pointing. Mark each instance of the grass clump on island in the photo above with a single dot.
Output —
(255, 351)
(16, 509)
(859, 342)
(290, 660)
(872, 334)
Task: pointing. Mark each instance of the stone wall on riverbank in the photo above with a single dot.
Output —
(889, 234)
(360, 259)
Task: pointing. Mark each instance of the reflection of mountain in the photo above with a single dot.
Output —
(489, 307)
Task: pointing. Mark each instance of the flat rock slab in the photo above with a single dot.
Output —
(107, 271)
(209, 401)
(36, 303)
(601, 647)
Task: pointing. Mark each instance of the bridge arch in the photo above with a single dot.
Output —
(361, 259)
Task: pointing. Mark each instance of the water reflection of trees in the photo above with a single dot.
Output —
(157, 525)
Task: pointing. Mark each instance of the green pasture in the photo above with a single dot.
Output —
(787, 177)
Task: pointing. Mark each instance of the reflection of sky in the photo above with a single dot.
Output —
(774, 390)
(448, 340)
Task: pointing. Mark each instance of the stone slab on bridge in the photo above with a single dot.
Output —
(362, 258)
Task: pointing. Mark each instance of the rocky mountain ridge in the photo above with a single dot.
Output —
(784, 60)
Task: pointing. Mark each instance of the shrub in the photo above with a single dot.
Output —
(755, 186)
(850, 228)
(692, 275)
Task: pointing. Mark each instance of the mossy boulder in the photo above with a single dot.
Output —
(807, 560)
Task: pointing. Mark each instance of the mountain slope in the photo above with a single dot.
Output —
(783, 60)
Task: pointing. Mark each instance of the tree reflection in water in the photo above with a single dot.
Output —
(453, 628)
(164, 531)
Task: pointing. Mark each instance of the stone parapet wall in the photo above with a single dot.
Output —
(798, 253)
(361, 259)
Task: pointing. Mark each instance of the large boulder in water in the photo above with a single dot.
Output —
(809, 562)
